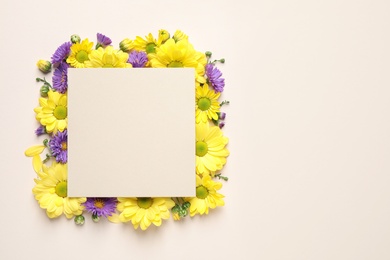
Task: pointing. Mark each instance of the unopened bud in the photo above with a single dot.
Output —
(75, 38)
(176, 209)
(222, 115)
(95, 218)
(44, 66)
(179, 35)
(186, 205)
(163, 35)
(79, 220)
(183, 213)
(126, 45)
(44, 90)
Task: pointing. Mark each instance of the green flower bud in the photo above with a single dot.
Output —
(79, 220)
(44, 66)
(126, 45)
(222, 60)
(75, 38)
(186, 205)
(44, 90)
(95, 218)
(176, 209)
(208, 54)
(183, 213)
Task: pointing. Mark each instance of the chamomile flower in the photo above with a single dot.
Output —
(179, 54)
(51, 191)
(210, 149)
(108, 58)
(206, 104)
(53, 112)
(144, 211)
(79, 53)
(207, 196)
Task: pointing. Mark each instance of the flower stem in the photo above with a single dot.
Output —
(222, 177)
(44, 81)
(47, 158)
(225, 102)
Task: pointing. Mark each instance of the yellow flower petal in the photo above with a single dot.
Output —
(34, 150)
(114, 218)
(37, 163)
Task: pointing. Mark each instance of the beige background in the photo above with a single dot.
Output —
(308, 124)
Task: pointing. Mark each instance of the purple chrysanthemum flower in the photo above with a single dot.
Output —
(101, 206)
(102, 40)
(61, 53)
(138, 59)
(59, 146)
(214, 77)
(60, 78)
(40, 130)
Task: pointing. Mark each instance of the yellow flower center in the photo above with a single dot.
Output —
(175, 64)
(108, 66)
(62, 189)
(201, 148)
(201, 192)
(204, 103)
(144, 203)
(150, 47)
(82, 56)
(64, 146)
(99, 203)
(60, 112)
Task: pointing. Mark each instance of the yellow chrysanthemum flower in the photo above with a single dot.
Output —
(51, 192)
(79, 53)
(148, 45)
(144, 211)
(210, 149)
(53, 112)
(206, 196)
(206, 103)
(107, 58)
(178, 55)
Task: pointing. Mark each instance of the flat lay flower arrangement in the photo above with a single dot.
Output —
(163, 51)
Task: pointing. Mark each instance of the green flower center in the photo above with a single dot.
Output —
(60, 112)
(82, 56)
(201, 148)
(62, 189)
(175, 64)
(108, 66)
(204, 103)
(144, 203)
(99, 203)
(201, 192)
(150, 48)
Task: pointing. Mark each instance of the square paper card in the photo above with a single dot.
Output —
(131, 133)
